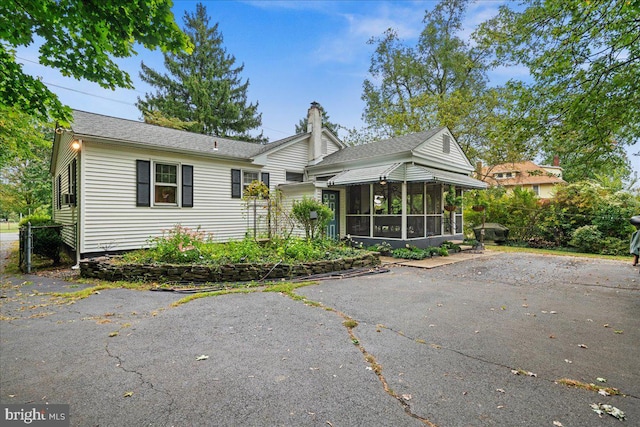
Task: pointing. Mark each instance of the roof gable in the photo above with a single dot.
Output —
(437, 151)
(422, 147)
(382, 148)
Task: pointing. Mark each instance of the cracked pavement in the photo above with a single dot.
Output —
(443, 341)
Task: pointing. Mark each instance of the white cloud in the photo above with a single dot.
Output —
(349, 41)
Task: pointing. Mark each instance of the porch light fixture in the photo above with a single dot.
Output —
(383, 182)
(76, 144)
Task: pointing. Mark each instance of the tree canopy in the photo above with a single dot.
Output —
(582, 101)
(81, 39)
(439, 81)
(25, 148)
(203, 88)
(584, 59)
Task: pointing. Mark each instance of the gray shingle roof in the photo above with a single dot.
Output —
(380, 148)
(97, 125)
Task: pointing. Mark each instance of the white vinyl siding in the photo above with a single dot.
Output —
(292, 158)
(433, 150)
(65, 214)
(331, 147)
(112, 220)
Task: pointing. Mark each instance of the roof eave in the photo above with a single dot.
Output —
(127, 143)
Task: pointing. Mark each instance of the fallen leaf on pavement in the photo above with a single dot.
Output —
(582, 346)
(128, 394)
(600, 409)
(602, 380)
(203, 357)
(557, 424)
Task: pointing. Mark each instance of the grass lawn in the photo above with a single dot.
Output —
(500, 248)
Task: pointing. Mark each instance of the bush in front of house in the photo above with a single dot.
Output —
(412, 252)
(557, 223)
(312, 215)
(587, 239)
(47, 241)
(182, 245)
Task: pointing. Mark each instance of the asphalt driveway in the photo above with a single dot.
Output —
(432, 347)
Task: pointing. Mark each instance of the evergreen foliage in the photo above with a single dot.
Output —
(203, 90)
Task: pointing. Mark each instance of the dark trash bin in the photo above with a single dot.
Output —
(493, 232)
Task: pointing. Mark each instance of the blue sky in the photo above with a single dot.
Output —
(294, 52)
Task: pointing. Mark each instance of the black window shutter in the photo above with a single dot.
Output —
(59, 192)
(74, 182)
(187, 186)
(143, 183)
(236, 183)
(69, 189)
(264, 177)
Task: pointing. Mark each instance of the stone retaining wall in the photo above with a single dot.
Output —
(104, 269)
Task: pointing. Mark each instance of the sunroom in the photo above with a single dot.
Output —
(402, 203)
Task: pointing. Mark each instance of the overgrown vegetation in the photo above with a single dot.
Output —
(312, 215)
(412, 252)
(585, 216)
(47, 241)
(182, 245)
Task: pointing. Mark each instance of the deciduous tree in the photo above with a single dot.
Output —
(584, 59)
(440, 81)
(81, 39)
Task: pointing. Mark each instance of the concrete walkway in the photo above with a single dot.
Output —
(437, 261)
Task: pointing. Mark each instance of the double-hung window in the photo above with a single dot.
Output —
(165, 184)
(240, 180)
(248, 177)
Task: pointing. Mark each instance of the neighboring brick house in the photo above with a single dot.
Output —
(540, 179)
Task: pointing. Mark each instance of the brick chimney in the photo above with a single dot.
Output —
(556, 160)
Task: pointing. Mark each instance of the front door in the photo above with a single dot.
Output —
(332, 199)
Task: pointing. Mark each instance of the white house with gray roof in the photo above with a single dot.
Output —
(118, 183)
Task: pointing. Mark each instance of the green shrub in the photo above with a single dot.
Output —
(384, 248)
(410, 253)
(587, 239)
(450, 246)
(301, 213)
(184, 246)
(47, 242)
(614, 246)
(179, 245)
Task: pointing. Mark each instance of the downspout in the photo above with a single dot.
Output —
(77, 146)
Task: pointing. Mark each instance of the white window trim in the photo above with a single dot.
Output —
(244, 183)
(178, 184)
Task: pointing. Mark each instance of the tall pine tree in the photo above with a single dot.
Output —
(203, 89)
